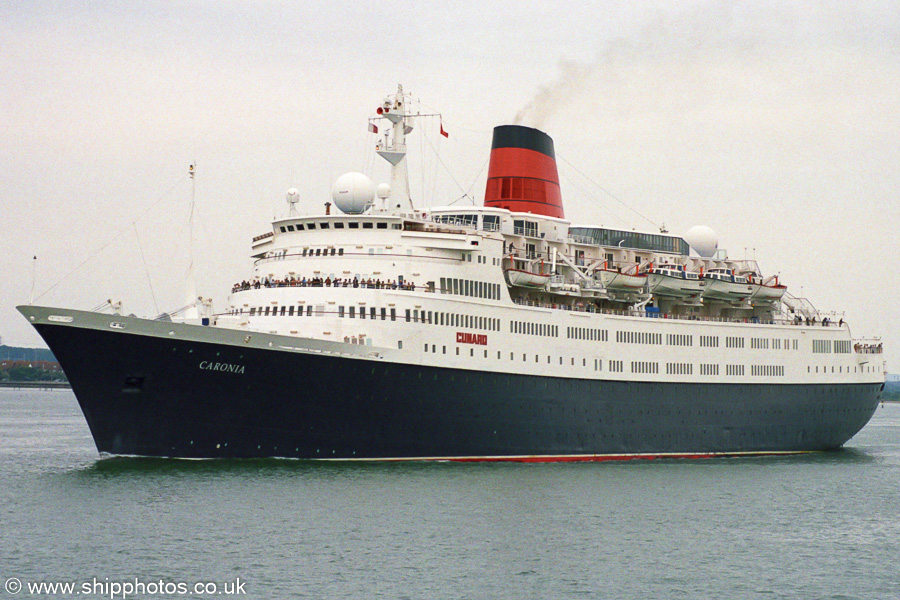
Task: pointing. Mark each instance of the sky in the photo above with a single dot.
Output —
(775, 123)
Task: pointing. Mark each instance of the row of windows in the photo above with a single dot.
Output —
(432, 348)
(453, 320)
(709, 369)
(586, 333)
(821, 346)
(643, 367)
(868, 369)
(373, 312)
(679, 369)
(734, 342)
(766, 371)
(520, 327)
(339, 225)
(629, 239)
(488, 222)
(709, 341)
(829, 346)
(322, 251)
(541, 329)
(287, 311)
(474, 289)
(638, 337)
(678, 339)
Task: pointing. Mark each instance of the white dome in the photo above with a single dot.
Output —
(383, 190)
(353, 193)
(293, 196)
(703, 240)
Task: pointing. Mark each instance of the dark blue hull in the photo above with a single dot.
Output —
(152, 396)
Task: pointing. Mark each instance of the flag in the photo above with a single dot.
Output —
(444, 133)
(373, 128)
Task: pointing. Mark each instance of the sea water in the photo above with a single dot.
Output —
(824, 525)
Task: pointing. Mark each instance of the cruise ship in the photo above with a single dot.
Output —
(387, 331)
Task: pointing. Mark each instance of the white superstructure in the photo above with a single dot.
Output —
(489, 288)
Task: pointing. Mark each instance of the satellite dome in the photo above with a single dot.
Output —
(353, 193)
(703, 240)
(383, 190)
(293, 196)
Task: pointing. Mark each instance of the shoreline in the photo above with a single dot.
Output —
(36, 385)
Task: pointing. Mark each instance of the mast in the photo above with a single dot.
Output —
(190, 283)
(393, 148)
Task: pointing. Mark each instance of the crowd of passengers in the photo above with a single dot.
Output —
(370, 283)
(868, 348)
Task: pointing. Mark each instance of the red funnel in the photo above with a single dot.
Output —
(522, 175)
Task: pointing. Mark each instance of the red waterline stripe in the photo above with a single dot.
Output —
(581, 457)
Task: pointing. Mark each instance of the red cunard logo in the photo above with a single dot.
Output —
(471, 338)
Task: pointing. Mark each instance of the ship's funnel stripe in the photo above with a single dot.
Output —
(518, 162)
(516, 136)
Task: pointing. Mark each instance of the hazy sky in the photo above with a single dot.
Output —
(775, 123)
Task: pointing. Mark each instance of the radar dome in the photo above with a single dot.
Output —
(353, 193)
(383, 190)
(703, 240)
(293, 195)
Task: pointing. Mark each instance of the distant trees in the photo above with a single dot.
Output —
(23, 372)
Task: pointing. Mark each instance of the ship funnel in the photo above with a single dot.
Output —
(522, 176)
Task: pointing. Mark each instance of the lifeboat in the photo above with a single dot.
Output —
(521, 272)
(673, 280)
(767, 289)
(723, 284)
(616, 279)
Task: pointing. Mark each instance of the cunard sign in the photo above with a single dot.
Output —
(207, 365)
(471, 338)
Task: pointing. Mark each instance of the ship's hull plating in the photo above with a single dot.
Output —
(153, 396)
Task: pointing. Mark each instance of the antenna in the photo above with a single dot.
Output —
(191, 285)
(33, 272)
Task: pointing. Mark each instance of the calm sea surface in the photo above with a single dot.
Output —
(813, 526)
